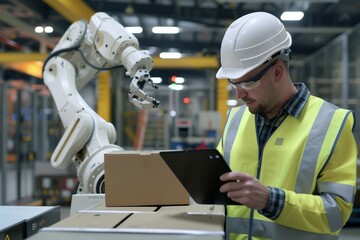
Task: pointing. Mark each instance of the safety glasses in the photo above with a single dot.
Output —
(252, 82)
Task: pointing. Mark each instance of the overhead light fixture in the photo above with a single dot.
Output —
(172, 113)
(178, 80)
(39, 29)
(292, 16)
(170, 55)
(165, 30)
(156, 79)
(176, 87)
(134, 29)
(47, 29)
(231, 102)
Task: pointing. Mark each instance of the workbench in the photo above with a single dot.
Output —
(149, 223)
(20, 222)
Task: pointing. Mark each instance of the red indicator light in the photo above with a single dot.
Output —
(186, 100)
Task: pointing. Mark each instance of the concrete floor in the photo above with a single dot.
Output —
(348, 233)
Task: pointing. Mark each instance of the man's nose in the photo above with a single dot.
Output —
(240, 93)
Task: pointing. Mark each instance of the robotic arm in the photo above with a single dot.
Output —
(83, 51)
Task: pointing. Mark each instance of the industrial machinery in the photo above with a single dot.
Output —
(84, 50)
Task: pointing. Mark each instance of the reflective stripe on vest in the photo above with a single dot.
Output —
(230, 137)
(313, 147)
(303, 185)
(272, 230)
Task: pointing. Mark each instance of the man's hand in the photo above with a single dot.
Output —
(245, 189)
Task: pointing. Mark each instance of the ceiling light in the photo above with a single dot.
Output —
(134, 29)
(292, 16)
(176, 87)
(170, 55)
(156, 79)
(172, 113)
(165, 30)
(231, 102)
(178, 80)
(48, 29)
(39, 29)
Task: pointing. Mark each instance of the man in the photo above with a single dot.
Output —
(292, 155)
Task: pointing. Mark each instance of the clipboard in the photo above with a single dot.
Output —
(199, 172)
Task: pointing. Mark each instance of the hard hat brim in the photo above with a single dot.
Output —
(231, 73)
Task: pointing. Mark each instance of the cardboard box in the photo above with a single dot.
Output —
(194, 208)
(135, 178)
(100, 216)
(103, 209)
(176, 222)
(92, 220)
(169, 222)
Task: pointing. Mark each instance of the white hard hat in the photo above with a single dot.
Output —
(250, 41)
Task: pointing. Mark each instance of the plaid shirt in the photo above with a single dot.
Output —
(265, 127)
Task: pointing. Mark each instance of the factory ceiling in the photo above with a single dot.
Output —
(202, 22)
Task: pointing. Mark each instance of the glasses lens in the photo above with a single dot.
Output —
(249, 85)
(245, 85)
(254, 81)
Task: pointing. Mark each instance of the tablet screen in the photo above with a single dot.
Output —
(199, 172)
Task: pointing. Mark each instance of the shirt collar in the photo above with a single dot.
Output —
(298, 101)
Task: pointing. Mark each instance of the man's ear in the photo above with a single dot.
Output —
(279, 71)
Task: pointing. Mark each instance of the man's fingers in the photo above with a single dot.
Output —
(231, 186)
(234, 176)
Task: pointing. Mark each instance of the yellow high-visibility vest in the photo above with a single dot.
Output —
(312, 158)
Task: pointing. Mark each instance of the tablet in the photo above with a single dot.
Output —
(199, 172)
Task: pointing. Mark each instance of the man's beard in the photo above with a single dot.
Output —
(258, 109)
